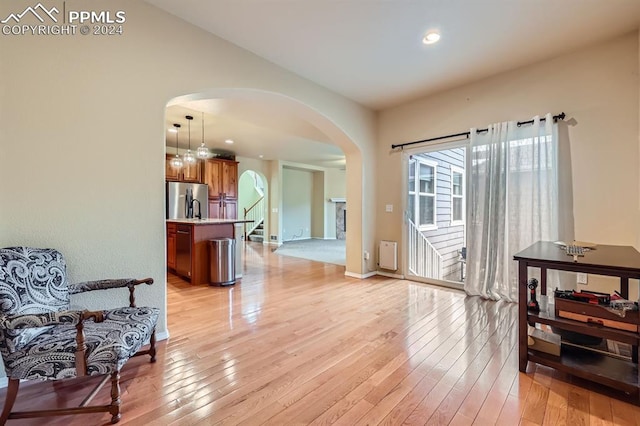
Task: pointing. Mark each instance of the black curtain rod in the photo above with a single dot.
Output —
(560, 116)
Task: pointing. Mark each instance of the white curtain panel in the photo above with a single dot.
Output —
(513, 182)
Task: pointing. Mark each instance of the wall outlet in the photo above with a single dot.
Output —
(581, 278)
(388, 208)
(366, 255)
(273, 237)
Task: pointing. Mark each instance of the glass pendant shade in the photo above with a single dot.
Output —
(176, 162)
(188, 157)
(202, 151)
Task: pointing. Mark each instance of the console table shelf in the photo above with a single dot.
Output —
(609, 371)
(585, 328)
(616, 261)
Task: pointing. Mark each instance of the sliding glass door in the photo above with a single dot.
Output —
(435, 229)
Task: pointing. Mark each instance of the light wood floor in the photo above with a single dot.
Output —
(298, 343)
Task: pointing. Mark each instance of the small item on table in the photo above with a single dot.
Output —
(592, 297)
(576, 248)
(620, 306)
(532, 305)
(574, 251)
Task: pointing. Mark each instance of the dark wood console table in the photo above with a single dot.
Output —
(616, 261)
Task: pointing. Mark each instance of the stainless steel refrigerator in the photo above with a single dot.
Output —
(187, 200)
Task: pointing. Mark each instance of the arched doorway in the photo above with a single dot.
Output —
(355, 239)
(252, 204)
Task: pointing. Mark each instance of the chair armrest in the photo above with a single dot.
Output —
(18, 322)
(107, 284)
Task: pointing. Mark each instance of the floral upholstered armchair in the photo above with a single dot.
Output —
(42, 339)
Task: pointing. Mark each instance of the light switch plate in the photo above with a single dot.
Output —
(389, 208)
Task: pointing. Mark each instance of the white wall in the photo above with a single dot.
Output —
(335, 184)
(597, 87)
(318, 205)
(297, 197)
(328, 183)
(247, 193)
(82, 139)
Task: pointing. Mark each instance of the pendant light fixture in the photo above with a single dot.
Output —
(188, 157)
(202, 151)
(176, 162)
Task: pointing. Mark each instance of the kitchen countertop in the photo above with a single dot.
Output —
(207, 221)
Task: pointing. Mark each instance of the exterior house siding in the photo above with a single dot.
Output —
(447, 239)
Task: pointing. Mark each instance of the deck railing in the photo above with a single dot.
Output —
(424, 259)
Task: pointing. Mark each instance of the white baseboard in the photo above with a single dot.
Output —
(372, 273)
(390, 275)
(163, 335)
(360, 276)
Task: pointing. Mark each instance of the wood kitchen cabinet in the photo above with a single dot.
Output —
(230, 179)
(187, 173)
(223, 209)
(231, 209)
(171, 245)
(213, 177)
(191, 254)
(171, 173)
(222, 178)
(192, 172)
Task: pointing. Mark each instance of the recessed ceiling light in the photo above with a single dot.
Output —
(431, 37)
(172, 130)
(261, 156)
(229, 141)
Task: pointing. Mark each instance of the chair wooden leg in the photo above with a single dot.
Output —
(115, 397)
(152, 346)
(12, 392)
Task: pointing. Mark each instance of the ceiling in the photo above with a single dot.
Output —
(371, 51)
(258, 129)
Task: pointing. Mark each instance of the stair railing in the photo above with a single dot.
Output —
(255, 213)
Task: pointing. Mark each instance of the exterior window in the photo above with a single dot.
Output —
(457, 196)
(422, 193)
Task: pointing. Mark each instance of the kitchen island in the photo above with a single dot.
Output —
(188, 245)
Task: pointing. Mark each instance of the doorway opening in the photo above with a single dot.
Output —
(435, 224)
(257, 110)
(252, 205)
